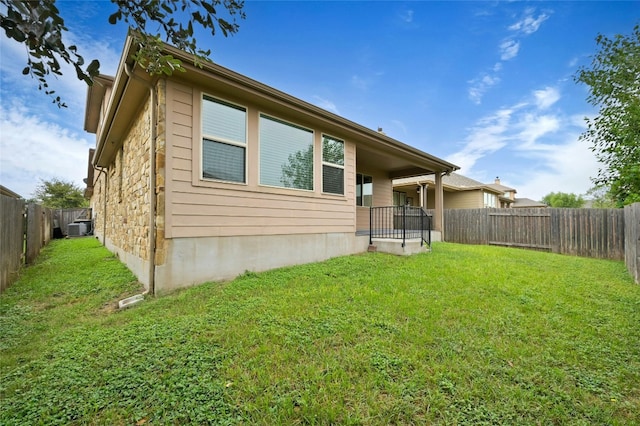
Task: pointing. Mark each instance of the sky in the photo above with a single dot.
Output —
(488, 86)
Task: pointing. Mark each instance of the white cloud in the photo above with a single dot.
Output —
(406, 16)
(33, 149)
(568, 167)
(550, 155)
(72, 91)
(480, 85)
(535, 127)
(486, 137)
(39, 140)
(326, 104)
(509, 49)
(546, 97)
(529, 24)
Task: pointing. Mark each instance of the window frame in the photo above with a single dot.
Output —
(223, 140)
(333, 165)
(312, 132)
(397, 196)
(490, 200)
(360, 182)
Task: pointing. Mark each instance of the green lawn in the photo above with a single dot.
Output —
(462, 335)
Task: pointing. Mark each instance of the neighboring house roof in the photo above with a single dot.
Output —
(460, 181)
(9, 193)
(133, 84)
(501, 188)
(450, 182)
(527, 203)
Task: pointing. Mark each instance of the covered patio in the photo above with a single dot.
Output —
(377, 166)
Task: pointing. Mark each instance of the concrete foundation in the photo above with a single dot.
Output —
(192, 261)
(138, 266)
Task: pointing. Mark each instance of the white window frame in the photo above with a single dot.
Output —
(223, 140)
(490, 200)
(271, 117)
(362, 204)
(333, 165)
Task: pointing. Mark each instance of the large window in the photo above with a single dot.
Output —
(286, 154)
(224, 136)
(364, 190)
(490, 200)
(332, 165)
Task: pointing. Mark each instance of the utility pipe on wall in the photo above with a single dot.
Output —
(104, 209)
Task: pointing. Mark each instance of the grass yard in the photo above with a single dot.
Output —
(463, 335)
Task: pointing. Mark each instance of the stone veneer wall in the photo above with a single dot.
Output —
(127, 224)
(161, 244)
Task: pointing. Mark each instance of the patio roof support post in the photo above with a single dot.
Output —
(439, 206)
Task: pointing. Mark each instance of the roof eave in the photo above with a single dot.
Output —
(373, 137)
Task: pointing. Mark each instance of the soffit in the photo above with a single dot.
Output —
(95, 98)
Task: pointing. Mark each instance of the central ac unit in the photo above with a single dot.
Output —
(76, 229)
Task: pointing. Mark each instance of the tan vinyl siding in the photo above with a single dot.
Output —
(207, 208)
(463, 200)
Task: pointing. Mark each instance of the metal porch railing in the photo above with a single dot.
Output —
(400, 223)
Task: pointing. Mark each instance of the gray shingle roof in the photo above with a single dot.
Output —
(527, 202)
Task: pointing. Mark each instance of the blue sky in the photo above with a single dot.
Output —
(486, 85)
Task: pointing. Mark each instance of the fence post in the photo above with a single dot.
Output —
(404, 223)
(370, 225)
(632, 240)
(422, 215)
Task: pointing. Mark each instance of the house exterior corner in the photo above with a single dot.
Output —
(207, 174)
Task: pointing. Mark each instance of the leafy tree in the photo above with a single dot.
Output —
(562, 199)
(298, 171)
(59, 194)
(601, 197)
(40, 27)
(614, 85)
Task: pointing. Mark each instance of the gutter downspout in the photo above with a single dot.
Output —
(152, 178)
(104, 209)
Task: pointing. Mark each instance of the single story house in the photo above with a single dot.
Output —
(9, 193)
(527, 203)
(207, 173)
(460, 192)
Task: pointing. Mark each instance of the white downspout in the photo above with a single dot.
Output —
(104, 209)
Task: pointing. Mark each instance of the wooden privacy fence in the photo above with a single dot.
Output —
(598, 233)
(12, 224)
(632, 240)
(24, 230)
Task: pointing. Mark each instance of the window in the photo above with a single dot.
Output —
(490, 200)
(224, 135)
(286, 154)
(332, 165)
(364, 190)
(399, 198)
